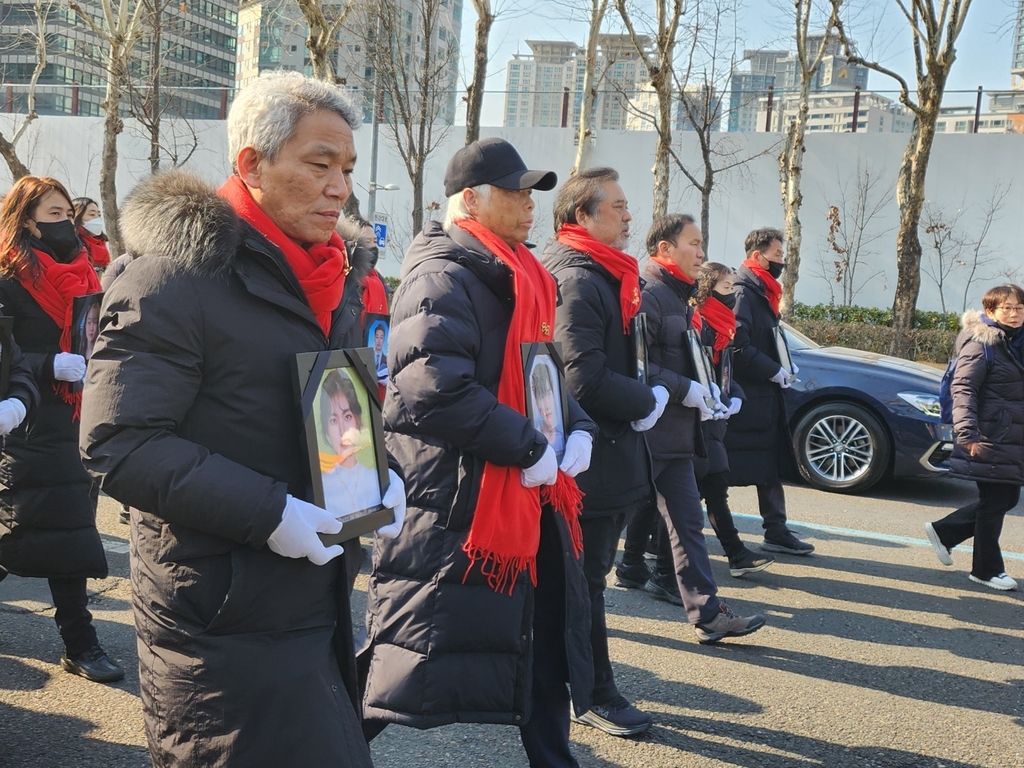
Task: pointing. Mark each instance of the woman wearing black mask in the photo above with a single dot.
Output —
(988, 424)
(47, 503)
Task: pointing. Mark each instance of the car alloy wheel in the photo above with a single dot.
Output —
(841, 447)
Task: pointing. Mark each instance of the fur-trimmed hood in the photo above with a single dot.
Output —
(981, 330)
(179, 215)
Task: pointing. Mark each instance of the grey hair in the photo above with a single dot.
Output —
(457, 205)
(265, 113)
(585, 192)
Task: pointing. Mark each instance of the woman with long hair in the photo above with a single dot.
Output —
(90, 228)
(47, 501)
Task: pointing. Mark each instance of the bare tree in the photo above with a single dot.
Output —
(37, 38)
(598, 10)
(946, 245)
(475, 91)
(935, 26)
(852, 234)
(118, 28)
(978, 253)
(324, 20)
(413, 49)
(659, 62)
(791, 161)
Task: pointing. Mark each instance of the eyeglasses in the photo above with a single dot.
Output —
(1011, 310)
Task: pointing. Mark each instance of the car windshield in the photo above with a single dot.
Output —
(797, 340)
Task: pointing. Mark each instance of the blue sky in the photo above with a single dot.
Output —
(983, 52)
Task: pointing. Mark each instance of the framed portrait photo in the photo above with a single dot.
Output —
(85, 327)
(638, 332)
(344, 439)
(547, 404)
(785, 358)
(6, 344)
(724, 372)
(702, 367)
(378, 334)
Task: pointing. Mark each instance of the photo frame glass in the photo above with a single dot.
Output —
(724, 372)
(85, 328)
(638, 332)
(345, 439)
(378, 334)
(546, 398)
(785, 358)
(701, 364)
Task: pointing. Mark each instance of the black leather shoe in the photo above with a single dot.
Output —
(93, 665)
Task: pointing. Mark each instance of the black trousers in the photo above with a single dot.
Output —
(600, 542)
(714, 489)
(73, 618)
(982, 519)
(771, 503)
(545, 735)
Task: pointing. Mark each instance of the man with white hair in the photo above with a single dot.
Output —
(189, 416)
(478, 613)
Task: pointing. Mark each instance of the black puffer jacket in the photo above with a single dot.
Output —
(245, 656)
(443, 646)
(47, 500)
(600, 365)
(758, 438)
(988, 404)
(666, 302)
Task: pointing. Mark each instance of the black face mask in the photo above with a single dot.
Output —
(775, 269)
(729, 299)
(61, 238)
(1009, 330)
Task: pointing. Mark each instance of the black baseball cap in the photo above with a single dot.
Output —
(493, 161)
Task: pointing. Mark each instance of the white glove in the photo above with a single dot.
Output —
(734, 407)
(544, 472)
(296, 535)
(68, 366)
(782, 378)
(394, 500)
(695, 397)
(660, 401)
(12, 413)
(578, 448)
(720, 410)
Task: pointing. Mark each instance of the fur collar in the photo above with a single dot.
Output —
(178, 215)
(980, 330)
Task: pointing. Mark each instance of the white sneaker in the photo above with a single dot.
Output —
(940, 549)
(1001, 582)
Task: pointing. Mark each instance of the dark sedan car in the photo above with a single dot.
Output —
(857, 417)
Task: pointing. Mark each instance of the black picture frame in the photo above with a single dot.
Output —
(6, 347)
(785, 358)
(638, 332)
(84, 309)
(364, 482)
(702, 368)
(371, 323)
(539, 357)
(725, 374)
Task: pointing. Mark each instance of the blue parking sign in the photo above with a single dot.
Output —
(380, 231)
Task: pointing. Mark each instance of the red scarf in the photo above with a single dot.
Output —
(772, 289)
(320, 269)
(99, 254)
(55, 290)
(505, 533)
(623, 267)
(723, 321)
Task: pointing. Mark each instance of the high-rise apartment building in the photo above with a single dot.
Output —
(546, 86)
(702, 101)
(833, 112)
(196, 60)
(746, 87)
(834, 74)
(1017, 67)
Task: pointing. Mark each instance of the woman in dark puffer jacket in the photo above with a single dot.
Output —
(988, 424)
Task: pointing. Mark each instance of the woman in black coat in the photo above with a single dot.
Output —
(988, 424)
(47, 501)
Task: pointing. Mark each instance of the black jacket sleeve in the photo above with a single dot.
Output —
(750, 362)
(676, 384)
(22, 384)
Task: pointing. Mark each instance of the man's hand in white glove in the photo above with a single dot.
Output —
(695, 398)
(544, 472)
(296, 535)
(720, 411)
(782, 378)
(734, 407)
(68, 366)
(578, 448)
(394, 499)
(12, 413)
(660, 401)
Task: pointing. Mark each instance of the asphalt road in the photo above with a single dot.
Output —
(874, 655)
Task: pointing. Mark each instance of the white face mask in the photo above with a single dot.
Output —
(93, 226)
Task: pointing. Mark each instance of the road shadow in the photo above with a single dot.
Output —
(49, 740)
(16, 675)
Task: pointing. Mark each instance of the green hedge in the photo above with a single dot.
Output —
(930, 345)
(872, 316)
